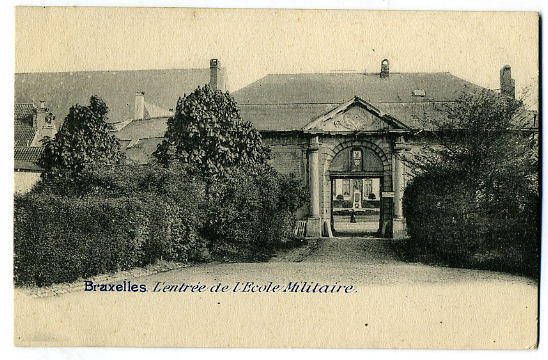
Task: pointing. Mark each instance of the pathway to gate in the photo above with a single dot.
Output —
(396, 304)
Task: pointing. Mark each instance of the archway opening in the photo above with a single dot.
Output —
(356, 175)
(356, 205)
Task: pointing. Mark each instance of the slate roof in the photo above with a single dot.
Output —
(280, 102)
(61, 90)
(26, 157)
(23, 129)
(341, 87)
(24, 111)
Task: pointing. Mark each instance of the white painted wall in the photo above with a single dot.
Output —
(25, 180)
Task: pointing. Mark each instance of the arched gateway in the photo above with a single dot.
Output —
(359, 175)
(355, 170)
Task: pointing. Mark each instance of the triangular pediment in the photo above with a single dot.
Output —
(355, 115)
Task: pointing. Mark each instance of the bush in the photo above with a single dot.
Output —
(451, 222)
(115, 218)
(60, 239)
(123, 180)
(249, 217)
(342, 203)
(356, 212)
(371, 203)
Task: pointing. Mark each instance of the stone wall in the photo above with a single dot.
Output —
(290, 156)
(288, 153)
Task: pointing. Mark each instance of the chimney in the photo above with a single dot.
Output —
(40, 116)
(507, 84)
(385, 68)
(214, 74)
(44, 124)
(139, 112)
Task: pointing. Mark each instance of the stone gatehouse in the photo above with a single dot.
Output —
(346, 135)
(353, 142)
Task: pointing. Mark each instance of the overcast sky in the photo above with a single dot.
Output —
(253, 43)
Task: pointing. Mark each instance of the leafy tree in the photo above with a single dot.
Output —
(485, 142)
(476, 185)
(82, 142)
(208, 133)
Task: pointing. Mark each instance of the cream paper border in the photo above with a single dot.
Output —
(427, 316)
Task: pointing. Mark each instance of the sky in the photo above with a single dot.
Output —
(253, 43)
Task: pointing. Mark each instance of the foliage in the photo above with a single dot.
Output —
(118, 217)
(59, 239)
(83, 141)
(250, 216)
(208, 133)
(126, 180)
(475, 195)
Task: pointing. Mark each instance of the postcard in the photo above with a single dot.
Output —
(270, 178)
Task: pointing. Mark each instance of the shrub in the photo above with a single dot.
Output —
(342, 203)
(124, 180)
(451, 222)
(371, 203)
(59, 239)
(114, 218)
(356, 212)
(249, 217)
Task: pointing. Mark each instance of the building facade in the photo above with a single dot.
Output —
(344, 134)
(31, 125)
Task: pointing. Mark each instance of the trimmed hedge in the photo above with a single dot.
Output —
(60, 239)
(450, 222)
(338, 203)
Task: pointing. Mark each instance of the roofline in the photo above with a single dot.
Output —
(340, 103)
(150, 118)
(142, 138)
(352, 73)
(357, 72)
(94, 71)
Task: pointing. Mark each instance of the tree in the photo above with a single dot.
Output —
(208, 133)
(476, 184)
(82, 142)
(484, 142)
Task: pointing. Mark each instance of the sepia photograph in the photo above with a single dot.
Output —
(276, 178)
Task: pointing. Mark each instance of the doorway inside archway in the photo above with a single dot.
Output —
(356, 205)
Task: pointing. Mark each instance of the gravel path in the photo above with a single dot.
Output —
(394, 304)
(357, 261)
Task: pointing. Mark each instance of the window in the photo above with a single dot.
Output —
(346, 187)
(356, 161)
(367, 188)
